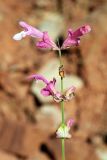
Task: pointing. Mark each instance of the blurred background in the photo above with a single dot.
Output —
(28, 121)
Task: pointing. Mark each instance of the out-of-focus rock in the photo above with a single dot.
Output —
(7, 156)
(71, 109)
(48, 118)
(91, 102)
(41, 156)
(79, 11)
(102, 154)
(100, 146)
(72, 148)
(95, 52)
(50, 22)
(20, 138)
(9, 82)
(50, 70)
(48, 4)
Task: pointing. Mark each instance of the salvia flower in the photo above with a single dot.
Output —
(45, 41)
(63, 130)
(73, 38)
(49, 89)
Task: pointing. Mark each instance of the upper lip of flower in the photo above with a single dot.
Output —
(38, 77)
(34, 32)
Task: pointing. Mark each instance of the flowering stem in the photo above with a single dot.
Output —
(62, 109)
(60, 57)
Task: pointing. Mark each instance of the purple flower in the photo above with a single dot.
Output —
(45, 43)
(63, 130)
(50, 90)
(74, 37)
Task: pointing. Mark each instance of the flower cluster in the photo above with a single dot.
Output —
(45, 40)
(50, 90)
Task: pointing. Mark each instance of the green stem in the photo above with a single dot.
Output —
(60, 57)
(63, 148)
(62, 102)
(62, 110)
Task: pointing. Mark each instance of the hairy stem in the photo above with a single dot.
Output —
(62, 110)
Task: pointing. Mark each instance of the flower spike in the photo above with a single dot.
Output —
(46, 42)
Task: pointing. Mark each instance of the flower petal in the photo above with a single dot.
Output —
(81, 31)
(46, 42)
(31, 31)
(38, 77)
(45, 92)
(51, 87)
(43, 45)
(70, 42)
(73, 38)
(19, 36)
(70, 123)
(69, 93)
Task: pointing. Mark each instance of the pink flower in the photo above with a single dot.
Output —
(63, 130)
(46, 42)
(74, 37)
(50, 90)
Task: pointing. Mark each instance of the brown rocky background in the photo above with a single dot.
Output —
(27, 124)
